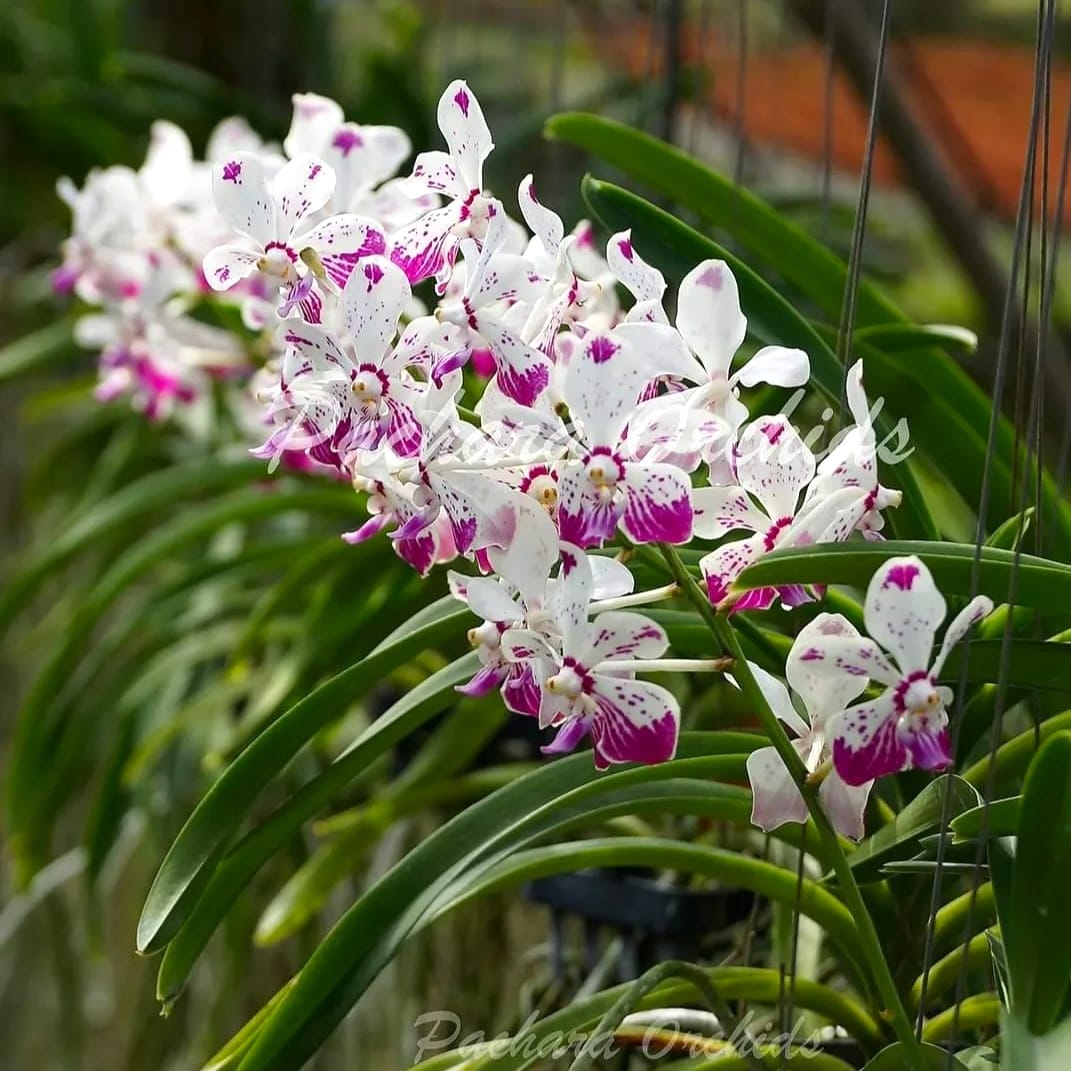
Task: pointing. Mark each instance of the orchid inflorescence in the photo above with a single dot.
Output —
(530, 423)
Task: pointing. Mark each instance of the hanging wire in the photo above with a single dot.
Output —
(739, 126)
(1009, 322)
(699, 75)
(855, 257)
(828, 98)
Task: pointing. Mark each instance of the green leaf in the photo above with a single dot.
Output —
(142, 498)
(197, 847)
(895, 338)
(900, 838)
(1037, 928)
(37, 350)
(999, 819)
(894, 1059)
(39, 730)
(1010, 534)
(730, 868)
(821, 274)
(370, 933)
(1040, 582)
(1014, 756)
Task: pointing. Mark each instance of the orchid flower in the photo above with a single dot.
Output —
(608, 485)
(361, 156)
(907, 725)
(586, 685)
(773, 468)
(428, 246)
(496, 277)
(853, 461)
(373, 396)
(271, 211)
(776, 799)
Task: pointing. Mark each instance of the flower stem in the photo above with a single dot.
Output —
(893, 1007)
(638, 598)
(667, 665)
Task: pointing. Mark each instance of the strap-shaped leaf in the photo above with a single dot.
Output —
(198, 846)
(1036, 924)
(1040, 583)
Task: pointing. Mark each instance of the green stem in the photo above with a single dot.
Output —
(892, 1005)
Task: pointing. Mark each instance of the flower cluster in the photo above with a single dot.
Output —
(484, 381)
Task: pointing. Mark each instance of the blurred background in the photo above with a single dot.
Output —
(754, 87)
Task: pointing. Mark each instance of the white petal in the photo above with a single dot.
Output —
(489, 599)
(774, 464)
(659, 349)
(776, 365)
(778, 700)
(301, 187)
(980, 606)
(312, 125)
(709, 316)
(612, 578)
(542, 222)
(619, 634)
(242, 195)
(719, 510)
(465, 130)
(775, 797)
(844, 804)
(527, 559)
(904, 610)
(645, 283)
(812, 671)
(375, 297)
(571, 596)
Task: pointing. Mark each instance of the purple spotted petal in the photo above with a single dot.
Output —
(418, 551)
(300, 187)
(583, 519)
(756, 599)
(928, 745)
(465, 130)
(521, 693)
(866, 744)
(619, 634)
(635, 721)
(228, 264)
(523, 372)
(404, 430)
(903, 611)
(658, 504)
(426, 245)
(722, 566)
